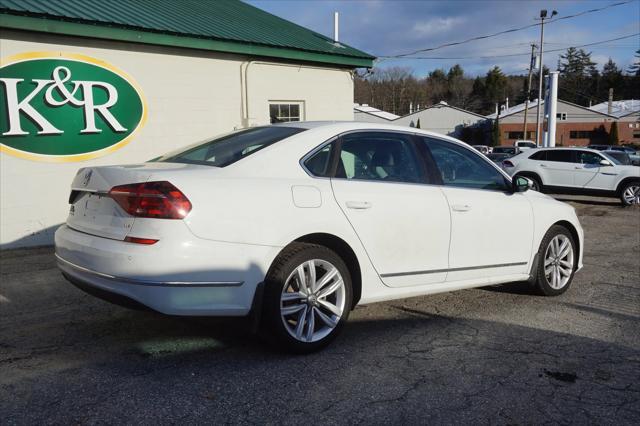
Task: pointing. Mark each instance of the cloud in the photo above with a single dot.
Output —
(385, 28)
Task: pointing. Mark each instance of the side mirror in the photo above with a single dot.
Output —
(605, 163)
(521, 184)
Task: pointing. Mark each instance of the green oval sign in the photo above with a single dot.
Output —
(66, 107)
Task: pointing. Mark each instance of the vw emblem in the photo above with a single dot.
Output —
(87, 177)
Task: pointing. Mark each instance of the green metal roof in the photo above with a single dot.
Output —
(224, 25)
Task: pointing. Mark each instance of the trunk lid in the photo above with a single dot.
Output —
(92, 211)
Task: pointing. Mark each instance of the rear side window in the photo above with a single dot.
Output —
(230, 148)
(319, 163)
(540, 156)
(561, 155)
(382, 156)
(464, 168)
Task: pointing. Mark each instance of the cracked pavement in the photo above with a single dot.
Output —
(496, 355)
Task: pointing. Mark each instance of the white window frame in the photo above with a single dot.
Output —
(288, 118)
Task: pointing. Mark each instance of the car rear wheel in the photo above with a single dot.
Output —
(557, 261)
(630, 193)
(307, 298)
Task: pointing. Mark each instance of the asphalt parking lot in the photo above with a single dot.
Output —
(490, 355)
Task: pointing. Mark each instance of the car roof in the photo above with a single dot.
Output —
(345, 126)
(569, 148)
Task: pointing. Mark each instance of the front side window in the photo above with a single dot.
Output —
(560, 155)
(464, 168)
(381, 156)
(586, 157)
(285, 112)
(230, 148)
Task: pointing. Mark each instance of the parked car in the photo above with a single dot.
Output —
(525, 144)
(511, 150)
(577, 171)
(482, 148)
(624, 158)
(295, 224)
(498, 157)
(626, 149)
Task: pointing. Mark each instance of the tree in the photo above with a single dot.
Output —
(576, 71)
(418, 124)
(495, 87)
(613, 134)
(495, 134)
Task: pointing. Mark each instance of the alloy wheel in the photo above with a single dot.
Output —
(312, 300)
(558, 261)
(631, 194)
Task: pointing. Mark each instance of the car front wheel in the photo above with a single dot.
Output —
(307, 298)
(557, 261)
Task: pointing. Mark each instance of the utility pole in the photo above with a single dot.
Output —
(543, 16)
(526, 102)
(610, 103)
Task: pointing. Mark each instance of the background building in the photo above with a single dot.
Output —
(575, 125)
(190, 70)
(442, 118)
(628, 114)
(370, 114)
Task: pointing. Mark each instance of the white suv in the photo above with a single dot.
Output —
(577, 171)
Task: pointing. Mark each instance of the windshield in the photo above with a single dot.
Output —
(611, 158)
(229, 148)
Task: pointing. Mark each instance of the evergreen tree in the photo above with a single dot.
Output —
(418, 124)
(577, 73)
(495, 87)
(613, 134)
(495, 134)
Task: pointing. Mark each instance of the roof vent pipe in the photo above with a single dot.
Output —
(336, 27)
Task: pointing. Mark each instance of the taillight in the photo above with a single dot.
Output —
(159, 200)
(507, 163)
(136, 240)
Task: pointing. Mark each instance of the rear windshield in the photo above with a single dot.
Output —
(228, 149)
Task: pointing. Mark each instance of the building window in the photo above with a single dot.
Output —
(580, 134)
(636, 135)
(281, 112)
(561, 116)
(518, 135)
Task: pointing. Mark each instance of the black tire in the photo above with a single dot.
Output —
(542, 284)
(634, 185)
(273, 325)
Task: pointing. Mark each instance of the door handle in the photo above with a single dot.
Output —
(577, 167)
(358, 205)
(543, 165)
(461, 207)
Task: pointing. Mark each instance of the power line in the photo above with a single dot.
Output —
(519, 54)
(456, 43)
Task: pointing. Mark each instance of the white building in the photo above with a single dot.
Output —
(85, 84)
(442, 118)
(369, 114)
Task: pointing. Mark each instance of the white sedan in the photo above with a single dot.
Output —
(297, 223)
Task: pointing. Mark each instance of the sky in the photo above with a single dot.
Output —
(392, 27)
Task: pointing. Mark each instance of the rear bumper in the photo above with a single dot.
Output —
(190, 277)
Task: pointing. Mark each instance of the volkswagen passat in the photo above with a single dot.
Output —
(297, 223)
